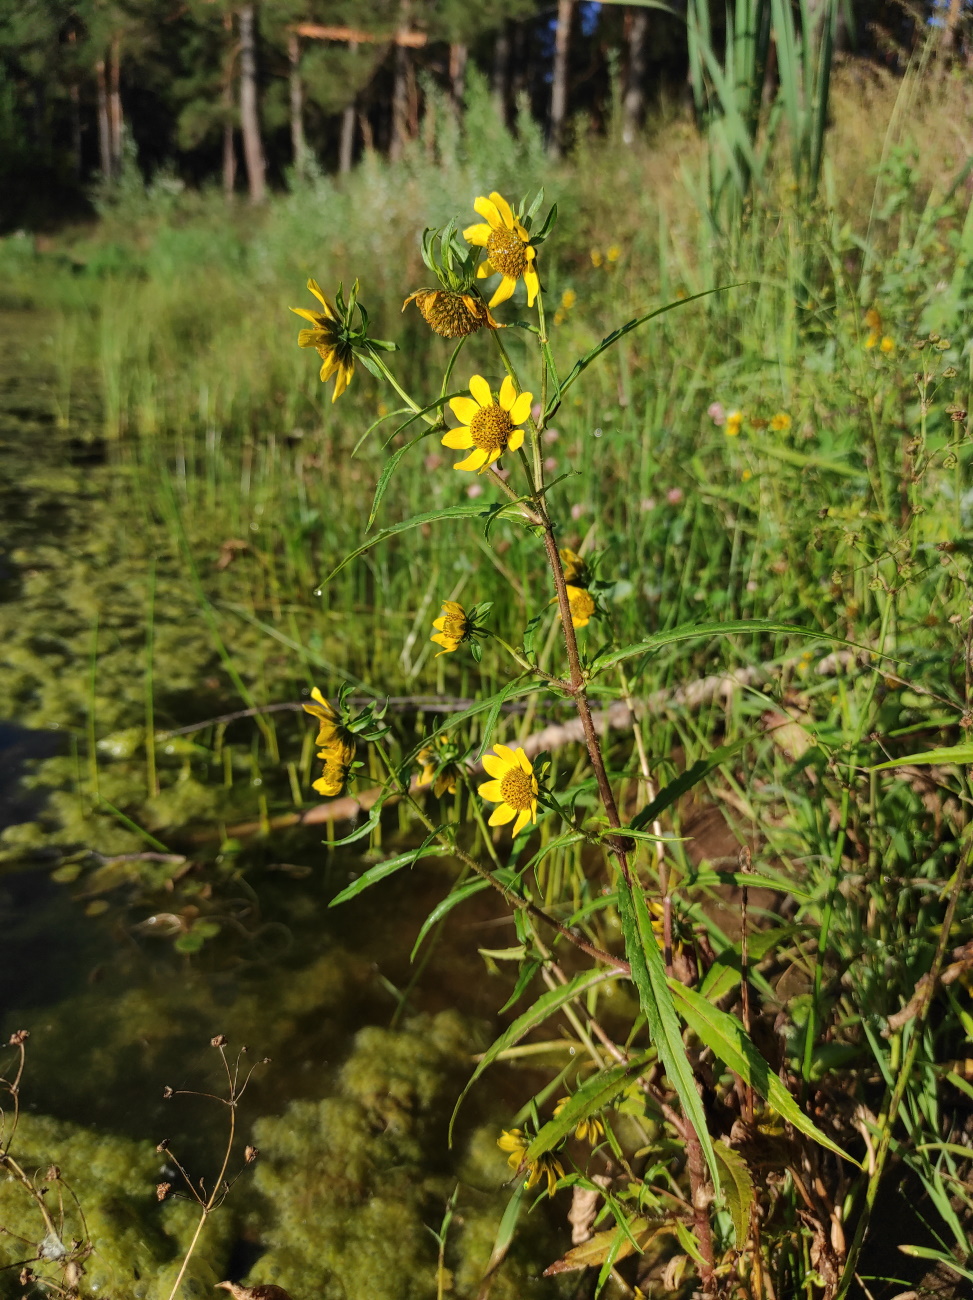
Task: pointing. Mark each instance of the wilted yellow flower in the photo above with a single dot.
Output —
(333, 738)
(453, 627)
(452, 315)
(780, 422)
(588, 1130)
(509, 250)
(488, 426)
(327, 337)
(514, 787)
(734, 422)
(546, 1166)
(576, 571)
(435, 761)
(582, 606)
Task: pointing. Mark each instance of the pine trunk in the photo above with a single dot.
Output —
(400, 103)
(346, 146)
(253, 149)
(104, 123)
(458, 55)
(559, 77)
(229, 143)
(296, 86)
(633, 101)
(115, 122)
(500, 83)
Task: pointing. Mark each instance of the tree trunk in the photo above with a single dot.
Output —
(346, 146)
(633, 101)
(951, 24)
(400, 103)
(458, 55)
(229, 143)
(298, 142)
(253, 149)
(115, 121)
(104, 123)
(559, 77)
(500, 83)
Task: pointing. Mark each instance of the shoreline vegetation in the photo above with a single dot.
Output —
(765, 490)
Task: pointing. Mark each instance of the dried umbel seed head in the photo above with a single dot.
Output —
(163, 1145)
(162, 1190)
(18, 1038)
(26, 1276)
(167, 1093)
(218, 1041)
(452, 315)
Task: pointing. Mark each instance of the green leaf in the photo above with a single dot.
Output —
(726, 971)
(459, 894)
(481, 706)
(598, 1248)
(499, 700)
(948, 754)
(732, 627)
(738, 1186)
(688, 1241)
(384, 869)
(649, 977)
(547, 1005)
(746, 880)
(506, 1230)
(726, 1038)
(584, 362)
(416, 521)
(692, 776)
(590, 1098)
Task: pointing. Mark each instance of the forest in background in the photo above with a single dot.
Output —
(214, 92)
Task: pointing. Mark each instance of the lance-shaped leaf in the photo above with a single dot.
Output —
(590, 1098)
(948, 754)
(738, 1186)
(598, 1248)
(655, 998)
(727, 1039)
(415, 521)
(685, 781)
(382, 870)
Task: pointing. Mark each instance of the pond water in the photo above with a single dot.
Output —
(367, 1053)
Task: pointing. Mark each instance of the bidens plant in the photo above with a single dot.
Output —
(633, 1133)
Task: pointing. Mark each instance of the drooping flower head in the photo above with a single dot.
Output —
(581, 604)
(576, 571)
(587, 1130)
(441, 764)
(513, 787)
(455, 309)
(487, 425)
(546, 1167)
(509, 248)
(335, 339)
(332, 780)
(332, 735)
(339, 731)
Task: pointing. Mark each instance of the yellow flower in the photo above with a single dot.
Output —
(333, 738)
(588, 1130)
(546, 1166)
(452, 315)
(488, 426)
(576, 570)
(438, 760)
(337, 356)
(334, 776)
(887, 344)
(613, 254)
(514, 787)
(596, 257)
(747, 475)
(568, 299)
(734, 422)
(510, 253)
(872, 340)
(780, 422)
(582, 606)
(453, 627)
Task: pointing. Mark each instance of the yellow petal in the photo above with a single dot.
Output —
(521, 758)
(316, 290)
(504, 290)
(313, 316)
(439, 623)
(342, 379)
(458, 439)
(477, 235)
(500, 816)
(533, 286)
(503, 207)
(464, 408)
(521, 821)
(327, 787)
(521, 408)
(474, 460)
(508, 394)
(484, 269)
(329, 365)
(490, 790)
(488, 461)
(453, 607)
(506, 753)
(516, 440)
(495, 766)
(480, 390)
(484, 208)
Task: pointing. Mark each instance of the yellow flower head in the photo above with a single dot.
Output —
(887, 344)
(334, 776)
(613, 254)
(588, 1130)
(488, 426)
(328, 337)
(780, 422)
(597, 257)
(332, 738)
(576, 571)
(568, 299)
(510, 253)
(453, 627)
(440, 760)
(452, 315)
(513, 787)
(581, 604)
(546, 1166)
(733, 425)
(513, 1141)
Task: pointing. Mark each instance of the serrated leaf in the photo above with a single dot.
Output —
(382, 870)
(481, 706)
(453, 899)
(547, 1005)
(732, 627)
(593, 1252)
(685, 781)
(947, 754)
(655, 998)
(499, 700)
(416, 521)
(726, 1038)
(726, 971)
(688, 1241)
(746, 880)
(738, 1187)
(592, 1097)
